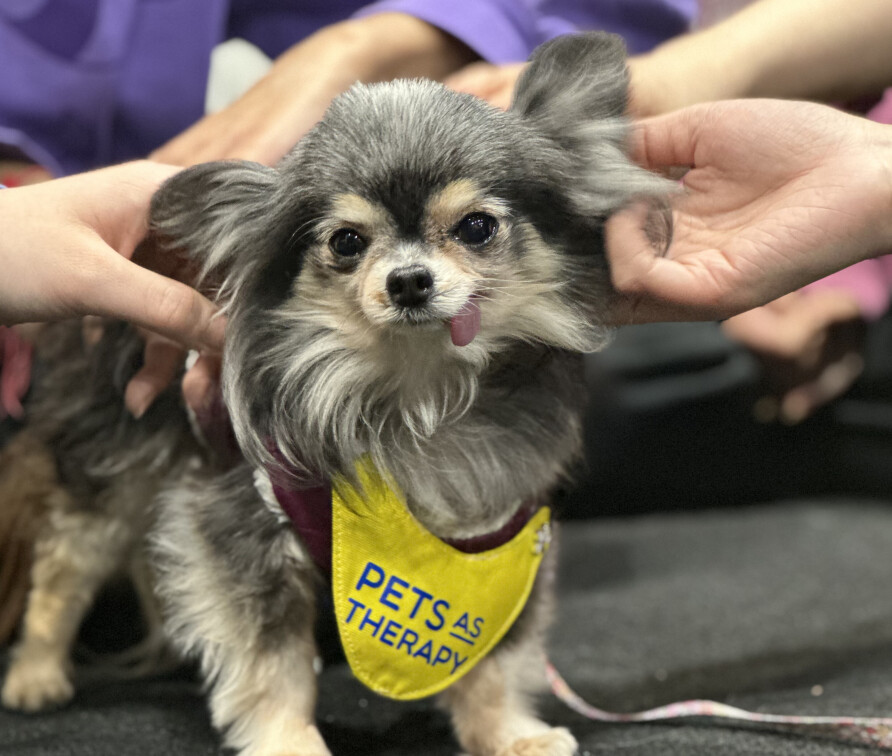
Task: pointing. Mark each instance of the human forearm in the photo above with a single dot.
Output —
(810, 49)
(819, 49)
(369, 49)
(390, 45)
(275, 113)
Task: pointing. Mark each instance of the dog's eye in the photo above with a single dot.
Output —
(476, 229)
(345, 242)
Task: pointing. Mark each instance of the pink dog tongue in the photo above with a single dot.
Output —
(466, 324)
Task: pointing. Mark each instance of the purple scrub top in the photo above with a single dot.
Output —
(85, 83)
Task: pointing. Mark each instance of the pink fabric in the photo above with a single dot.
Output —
(870, 281)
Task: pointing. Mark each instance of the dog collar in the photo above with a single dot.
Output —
(415, 612)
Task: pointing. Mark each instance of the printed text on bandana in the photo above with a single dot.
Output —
(412, 621)
(414, 613)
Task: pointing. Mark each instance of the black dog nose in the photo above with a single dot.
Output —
(411, 286)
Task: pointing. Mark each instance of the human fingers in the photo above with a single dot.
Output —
(837, 365)
(495, 84)
(124, 290)
(113, 203)
(162, 360)
(790, 329)
(809, 345)
(686, 282)
(832, 382)
(475, 78)
(201, 383)
(667, 140)
(201, 390)
(801, 330)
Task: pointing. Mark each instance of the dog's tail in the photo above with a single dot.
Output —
(27, 477)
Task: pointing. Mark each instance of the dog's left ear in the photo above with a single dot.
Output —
(574, 92)
(217, 215)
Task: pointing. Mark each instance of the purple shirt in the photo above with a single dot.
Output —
(90, 82)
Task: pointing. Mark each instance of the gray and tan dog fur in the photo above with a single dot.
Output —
(340, 272)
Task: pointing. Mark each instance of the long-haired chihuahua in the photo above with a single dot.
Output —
(408, 296)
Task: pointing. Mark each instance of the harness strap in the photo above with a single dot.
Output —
(309, 510)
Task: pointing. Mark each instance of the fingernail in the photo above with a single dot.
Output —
(794, 410)
(199, 393)
(215, 333)
(138, 398)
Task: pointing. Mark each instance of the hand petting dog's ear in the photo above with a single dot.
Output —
(70, 255)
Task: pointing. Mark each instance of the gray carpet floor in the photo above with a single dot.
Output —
(784, 607)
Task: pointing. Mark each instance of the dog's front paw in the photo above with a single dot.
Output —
(304, 741)
(34, 683)
(555, 742)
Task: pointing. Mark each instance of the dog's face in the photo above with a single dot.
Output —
(417, 222)
(413, 235)
(417, 217)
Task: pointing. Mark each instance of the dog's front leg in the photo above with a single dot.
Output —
(491, 706)
(492, 717)
(264, 698)
(238, 593)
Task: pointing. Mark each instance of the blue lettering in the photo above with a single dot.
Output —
(356, 605)
(438, 614)
(391, 591)
(462, 624)
(462, 638)
(404, 641)
(367, 621)
(443, 656)
(422, 596)
(390, 632)
(478, 627)
(364, 580)
(424, 652)
(457, 661)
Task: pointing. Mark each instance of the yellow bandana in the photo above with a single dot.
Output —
(414, 613)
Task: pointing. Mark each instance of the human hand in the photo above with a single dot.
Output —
(489, 82)
(265, 123)
(810, 347)
(65, 251)
(778, 195)
(163, 361)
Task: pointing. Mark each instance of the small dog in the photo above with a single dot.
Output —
(408, 296)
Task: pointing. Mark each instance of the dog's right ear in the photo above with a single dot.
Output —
(572, 80)
(215, 215)
(574, 93)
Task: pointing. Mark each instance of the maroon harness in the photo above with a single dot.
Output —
(309, 510)
(308, 505)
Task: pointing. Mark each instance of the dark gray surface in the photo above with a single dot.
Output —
(752, 606)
